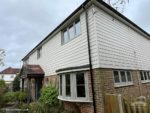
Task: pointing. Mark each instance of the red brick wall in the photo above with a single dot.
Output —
(78, 107)
(104, 83)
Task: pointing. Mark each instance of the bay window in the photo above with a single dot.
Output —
(73, 87)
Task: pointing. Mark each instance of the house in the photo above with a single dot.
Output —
(8, 75)
(94, 51)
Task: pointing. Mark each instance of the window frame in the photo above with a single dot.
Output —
(146, 79)
(39, 53)
(122, 83)
(73, 84)
(68, 33)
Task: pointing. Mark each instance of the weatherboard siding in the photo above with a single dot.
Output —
(120, 46)
(74, 53)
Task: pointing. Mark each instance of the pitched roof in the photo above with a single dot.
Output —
(34, 70)
(100, 2)
(10, 70)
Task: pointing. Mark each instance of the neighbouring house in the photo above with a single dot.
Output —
(94, 51)
(8, 75)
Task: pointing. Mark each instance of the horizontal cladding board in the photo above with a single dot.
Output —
(74, 53)
(119, 45)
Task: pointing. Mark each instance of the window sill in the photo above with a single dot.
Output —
(84, 100)
(123, 84)
(145, 81)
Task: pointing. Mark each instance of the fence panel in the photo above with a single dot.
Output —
(113, 104)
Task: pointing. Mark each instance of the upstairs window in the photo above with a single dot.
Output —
(39, 52)
(122, 78)
(145, 76)
(71, 32)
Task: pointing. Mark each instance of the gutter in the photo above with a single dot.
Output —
(90, 58)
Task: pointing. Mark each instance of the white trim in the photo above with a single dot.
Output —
(147, 76)
(145, 81)
(121, 84)
(73, 70)
(67, 30)
(73, 100)
(73, 86)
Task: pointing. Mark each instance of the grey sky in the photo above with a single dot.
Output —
(24, 23)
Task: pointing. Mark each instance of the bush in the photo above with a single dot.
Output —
(36, 107)
(3, 89)
(49, 96)
(16, 84)
(21, 96)
(10, 97)
(15, 96)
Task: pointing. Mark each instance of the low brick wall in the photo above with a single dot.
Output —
(78, 107)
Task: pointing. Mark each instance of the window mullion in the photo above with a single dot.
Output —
(74, 27)
(126, 76)
(64, 85)
(75, 86)
(59, 84)
(68, 34)
(72, 84)
(120, 77)
(86, 85)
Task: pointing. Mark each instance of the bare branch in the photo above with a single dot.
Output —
(119, 5)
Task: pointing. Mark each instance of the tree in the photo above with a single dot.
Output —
(119, 5)
(2, 55)
(16, 84)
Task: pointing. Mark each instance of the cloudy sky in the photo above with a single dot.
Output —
(24, 23)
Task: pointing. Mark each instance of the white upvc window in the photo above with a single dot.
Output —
(145, 76)
(39, 52)
(71, 32)
(122, 78)
(74, 87)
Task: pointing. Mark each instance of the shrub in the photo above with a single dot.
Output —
(3, 89)
(10, 97)
(36, 107)
(49, 96)
(16, 84)
(21, 96)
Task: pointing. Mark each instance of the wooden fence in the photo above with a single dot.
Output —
(116, 104)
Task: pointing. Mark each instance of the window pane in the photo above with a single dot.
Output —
(145, 76)
(129, 76)
(142, 77)
(123, 76)
(60, 84)
(148, 73)
(68, 90)
(65, 36)
(71, 32)
(116, 77)
(39, 52)
(80, 85)
(77, 28)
